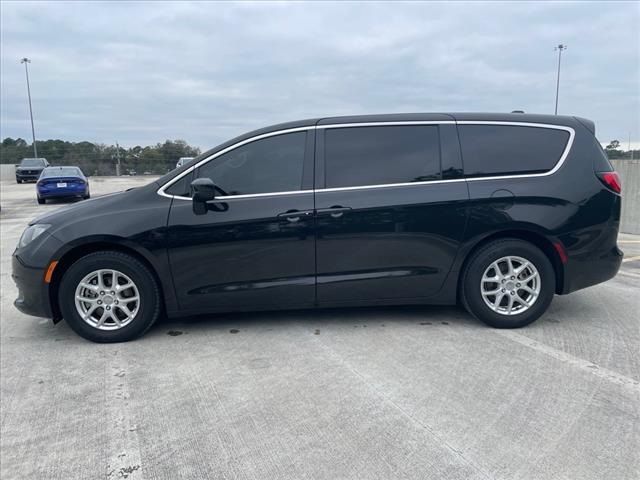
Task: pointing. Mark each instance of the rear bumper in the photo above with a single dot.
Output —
(33, 292)
(61, 192)
(590, 270)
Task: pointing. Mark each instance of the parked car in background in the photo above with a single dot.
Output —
(183, 160)
(30, 169)
(497, 212)
(60, 182)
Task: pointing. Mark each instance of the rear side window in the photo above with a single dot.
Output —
(510, 149)
(272, 164)
(357, 156)
(601, 161)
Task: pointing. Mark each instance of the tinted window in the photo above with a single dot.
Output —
(601, 161)
(503, 149)
(273, 164)
(182, 187)
(377, 155)
(32, 162)
(62, 172)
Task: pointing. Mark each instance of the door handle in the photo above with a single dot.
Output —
(293, 216)
(336, 211)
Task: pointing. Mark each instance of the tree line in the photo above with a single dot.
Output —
(98, 158)
(615, 153)
(101, 159)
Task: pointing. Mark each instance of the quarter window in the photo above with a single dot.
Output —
(272, 164)
(357, 156)
(510, 149)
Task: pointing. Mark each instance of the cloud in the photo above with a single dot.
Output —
(143, 72)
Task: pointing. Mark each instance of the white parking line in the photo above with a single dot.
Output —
(629, 274)
(569, 359)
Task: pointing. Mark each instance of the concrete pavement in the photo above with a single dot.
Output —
(420, 392)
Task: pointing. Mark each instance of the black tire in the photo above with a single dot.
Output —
(149, 308)
(18, 180)
(480, 260)
(87, 196)
(42, 201)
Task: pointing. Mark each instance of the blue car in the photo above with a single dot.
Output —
(62, 182)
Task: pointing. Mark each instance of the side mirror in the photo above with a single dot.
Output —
(203, 190)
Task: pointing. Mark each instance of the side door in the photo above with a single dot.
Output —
(391, 210)
(255, 245)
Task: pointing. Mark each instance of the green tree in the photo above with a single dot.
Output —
(613, 145)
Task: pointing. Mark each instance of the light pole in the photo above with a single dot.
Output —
(559, 48)
(25, 60)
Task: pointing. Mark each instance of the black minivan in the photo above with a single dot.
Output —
(498, 212)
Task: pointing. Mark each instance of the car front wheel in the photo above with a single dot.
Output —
(109, 297)
(508, 283)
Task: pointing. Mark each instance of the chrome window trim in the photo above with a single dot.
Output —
(563, 157)
(388, 185)
(386, 124)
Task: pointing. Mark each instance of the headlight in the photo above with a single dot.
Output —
(31, 233)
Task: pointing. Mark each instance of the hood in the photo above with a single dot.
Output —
(40, 167)
(95, 206)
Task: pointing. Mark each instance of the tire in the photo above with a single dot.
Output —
(42, 201)
(129, 270)
(18, 180)
(87, 196)
(484, 261)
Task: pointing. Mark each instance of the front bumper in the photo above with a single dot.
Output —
(28, 176)
(33, 292)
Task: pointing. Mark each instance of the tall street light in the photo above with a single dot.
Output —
(559, 48)
(33, 130)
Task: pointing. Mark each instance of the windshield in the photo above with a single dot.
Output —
(62, 172)
(32, 162)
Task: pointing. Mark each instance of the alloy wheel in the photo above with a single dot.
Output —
(107, 299)
(510, 285)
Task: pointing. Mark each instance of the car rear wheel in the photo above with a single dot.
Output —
(508, 283)
(109, 297)
(42, 201)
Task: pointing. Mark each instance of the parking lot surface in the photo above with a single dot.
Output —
(419, 392)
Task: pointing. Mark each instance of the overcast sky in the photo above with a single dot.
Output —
(140, 73)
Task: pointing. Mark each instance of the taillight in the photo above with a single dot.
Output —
(611, 181)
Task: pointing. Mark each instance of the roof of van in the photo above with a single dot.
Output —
(414, 117)
(418, 117)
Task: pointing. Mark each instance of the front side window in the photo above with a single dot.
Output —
(358, 156)
(272, 164)
(510, 149)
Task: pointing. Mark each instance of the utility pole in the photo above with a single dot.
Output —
(118, 159)
(559, 48)
(25, 60)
